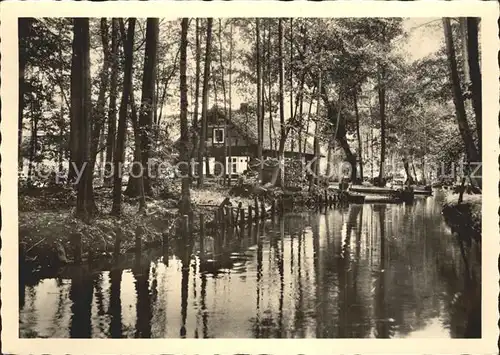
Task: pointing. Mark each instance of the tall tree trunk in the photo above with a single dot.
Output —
(185, 203)
(301, 127)
(415, 180)
(216, 105)
(102, 139)
(195, 128)
(111, 137)
(313, 179)
(409, 177)
(351, 158)
(292, 115)
(329, 158)
(463, 126)
(358, 134)
(204, 103)
(24, 28)
(81, 114)
(381, 100)
(281, 150)
(230, 87)
(262, 86)
(100, 114)
(128, 49)
(259, 97)
(33, 141)
(301, 107)
(270, 85)
(147, 100)
(138, 168)
(61, 136)
(309, 111)
(475, 76)
(465, 51)
(227, 139)
(334, 115)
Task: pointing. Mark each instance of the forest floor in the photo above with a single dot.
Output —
(464, 217)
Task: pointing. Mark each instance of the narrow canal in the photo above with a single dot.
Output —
(379, 271)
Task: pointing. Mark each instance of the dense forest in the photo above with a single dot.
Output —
(102, 96)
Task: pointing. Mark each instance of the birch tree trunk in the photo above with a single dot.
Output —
(111, 136)
(185, 203)
(204, 103)
(259, 98)
(128, 49)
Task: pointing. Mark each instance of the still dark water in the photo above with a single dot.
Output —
(361, 271)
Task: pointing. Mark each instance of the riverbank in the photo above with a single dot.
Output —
(465, 217)
(50, 236)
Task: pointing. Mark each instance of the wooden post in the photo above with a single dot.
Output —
(138, 239)
(273, 208)
(118, 242)
(77, 245)
(249, 221)
(242, 220)
(326, 199)
(191, 223)
(22, 254)
(90, 257)
(165, 247)
(216, 219)
(202, 236)
(263, 209)
(226, 215)
(240, 207)
(185, 227)
(250, 216)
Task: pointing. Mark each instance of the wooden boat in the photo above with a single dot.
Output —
(404, 195)
(371, 189)
(353, 197)
(422, 190)
(382, 199)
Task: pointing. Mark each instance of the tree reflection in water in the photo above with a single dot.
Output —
(362, 271)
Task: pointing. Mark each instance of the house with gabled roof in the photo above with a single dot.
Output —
(240, 133)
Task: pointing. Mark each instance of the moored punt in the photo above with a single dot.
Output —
(422, 190)
(383, 199)
(371, 189)
(406, 195)
(354, 197)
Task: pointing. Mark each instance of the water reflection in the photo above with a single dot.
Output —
(81, 296)
(115, 305)
(379, 271)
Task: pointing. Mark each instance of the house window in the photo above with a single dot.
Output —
(218, 135)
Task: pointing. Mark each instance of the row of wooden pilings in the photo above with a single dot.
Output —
(236, 217)
(224, 217)
(244, 218)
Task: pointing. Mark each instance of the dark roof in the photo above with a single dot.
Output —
(246, 123)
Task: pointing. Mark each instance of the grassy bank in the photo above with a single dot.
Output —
(464, 217)
(48, 227)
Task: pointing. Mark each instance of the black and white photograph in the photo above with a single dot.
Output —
(251, 177)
